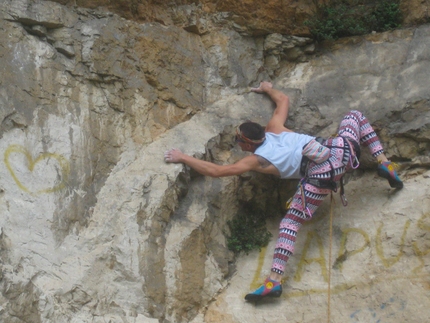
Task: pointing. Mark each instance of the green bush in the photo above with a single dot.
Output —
(385, 16)
(342, 18)
(248, 230)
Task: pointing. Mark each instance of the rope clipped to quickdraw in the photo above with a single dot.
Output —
(329, 256)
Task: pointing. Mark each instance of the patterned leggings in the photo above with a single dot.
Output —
(354, 127)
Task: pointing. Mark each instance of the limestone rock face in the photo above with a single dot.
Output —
(95, 227)
(247, 16)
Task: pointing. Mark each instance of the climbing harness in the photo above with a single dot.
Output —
(354, 155)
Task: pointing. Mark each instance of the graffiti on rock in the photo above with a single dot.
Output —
(47, 173)
(312, 257)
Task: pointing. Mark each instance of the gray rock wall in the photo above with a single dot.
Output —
(95, 227)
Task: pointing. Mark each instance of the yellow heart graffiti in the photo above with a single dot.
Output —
(63, 163)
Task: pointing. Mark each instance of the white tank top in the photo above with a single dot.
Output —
(284, 151)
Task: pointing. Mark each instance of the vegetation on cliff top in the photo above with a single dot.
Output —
(334, 19)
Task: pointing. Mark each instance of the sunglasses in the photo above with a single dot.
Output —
(238, 139)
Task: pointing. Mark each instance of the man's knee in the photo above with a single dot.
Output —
(356, 113)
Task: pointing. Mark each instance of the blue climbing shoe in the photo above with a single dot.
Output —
(270, 288)
(388, 170)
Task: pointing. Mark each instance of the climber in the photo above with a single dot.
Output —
(278, 151)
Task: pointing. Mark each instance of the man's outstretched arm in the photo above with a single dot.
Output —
(210, 169)
(280, 115)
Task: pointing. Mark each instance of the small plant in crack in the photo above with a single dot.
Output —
(248, 230)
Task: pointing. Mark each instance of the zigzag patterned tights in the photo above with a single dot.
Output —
(354, 126)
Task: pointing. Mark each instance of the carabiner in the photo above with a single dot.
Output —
(344, 200)
(357, 163)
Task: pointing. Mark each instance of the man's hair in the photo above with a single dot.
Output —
(252, 130)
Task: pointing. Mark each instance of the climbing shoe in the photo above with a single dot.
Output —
(388, 170)
(270, 288)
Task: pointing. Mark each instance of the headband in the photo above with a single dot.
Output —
(241, 136)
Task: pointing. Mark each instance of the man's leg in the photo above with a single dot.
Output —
(288, 229)
(356, 127)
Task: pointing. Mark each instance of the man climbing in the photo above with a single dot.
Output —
(278, 151)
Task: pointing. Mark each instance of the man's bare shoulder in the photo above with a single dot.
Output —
(263, 162)
(255, 162)
(265, 167)
(277, 129)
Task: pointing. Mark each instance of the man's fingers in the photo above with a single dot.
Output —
(169, 155)
(263, 86)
